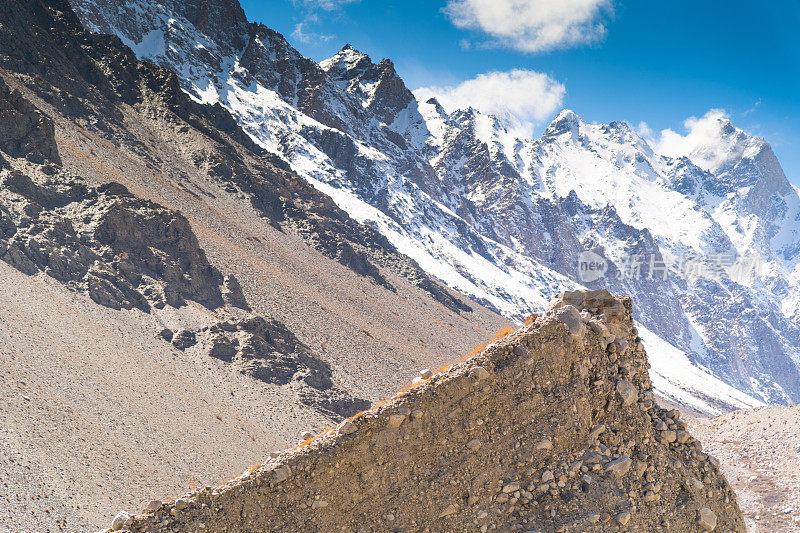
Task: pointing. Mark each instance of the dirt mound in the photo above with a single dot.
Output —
(552, 428)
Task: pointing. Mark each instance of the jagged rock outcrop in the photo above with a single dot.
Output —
(125, 252)
(268, 351)
(552, 428)
(24, 131)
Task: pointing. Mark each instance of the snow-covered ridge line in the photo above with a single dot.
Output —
(504, 219)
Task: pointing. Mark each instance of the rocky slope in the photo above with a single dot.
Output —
(128, 253)
(552, 428)
(758, 449)
(164, 147)
(505, 219)
(176, 300)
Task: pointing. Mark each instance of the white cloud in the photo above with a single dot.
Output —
(325, 5)
(526, 96)
(311, 17)
(644, 130)
(710, 141)
(302, 34)
(532, 25)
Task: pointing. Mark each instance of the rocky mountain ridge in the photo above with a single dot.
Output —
(216, 306)
(551, 428)
(485, 211)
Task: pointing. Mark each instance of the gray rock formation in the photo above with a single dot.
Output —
(125, 252)
(269, 352)
(24, 132)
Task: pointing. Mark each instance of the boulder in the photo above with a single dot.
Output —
(706, 519)
(627, 392)
(571, 317)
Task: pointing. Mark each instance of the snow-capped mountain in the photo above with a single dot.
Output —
(507, 219)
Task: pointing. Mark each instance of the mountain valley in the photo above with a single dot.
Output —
(221, 258)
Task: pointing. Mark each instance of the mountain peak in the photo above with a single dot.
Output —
(349, 51)
(347, 64)
(465, 114)
(567, 114)
(386, 64)
(223, 20)
(714, 144)
(620, 126)
(378, 86)
(567, 121)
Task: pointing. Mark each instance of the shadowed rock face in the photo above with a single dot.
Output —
(552, 428)
(125, 252)
(224, 20)
(24, 131)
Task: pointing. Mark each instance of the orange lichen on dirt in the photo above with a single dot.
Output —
(305, 443)
(502, 332)
(358, 415)
(408, 386)
(531, 319)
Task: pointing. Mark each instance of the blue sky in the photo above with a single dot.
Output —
(657, 63)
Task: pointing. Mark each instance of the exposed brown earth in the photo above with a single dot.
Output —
(552, 428)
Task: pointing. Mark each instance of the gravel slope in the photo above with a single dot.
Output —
(98, 413)
(759, 452)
